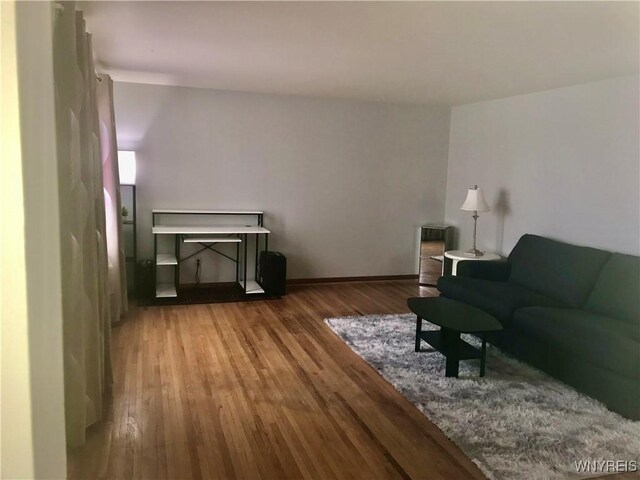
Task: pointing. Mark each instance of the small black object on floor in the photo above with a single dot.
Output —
(210, 294)
(272, 272)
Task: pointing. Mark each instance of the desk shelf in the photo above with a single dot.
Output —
(207, 229)
(166, 290)
(166, 259)
(253, 287)
(171, 211)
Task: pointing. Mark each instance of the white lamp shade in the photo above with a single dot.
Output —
(127, 167)
(475, 201)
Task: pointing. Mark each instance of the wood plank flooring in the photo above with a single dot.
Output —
(261, 390)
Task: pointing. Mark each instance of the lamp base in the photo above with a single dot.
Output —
(474, 252)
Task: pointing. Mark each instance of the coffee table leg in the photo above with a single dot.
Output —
(451, 344)
(483, 354)
(418, 331)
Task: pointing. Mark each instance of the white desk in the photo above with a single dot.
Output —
(207, 235)
(459, 255)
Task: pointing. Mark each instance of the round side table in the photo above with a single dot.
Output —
(458, 255)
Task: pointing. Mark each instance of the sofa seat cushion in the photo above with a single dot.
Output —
(598, 339)
(499, 299)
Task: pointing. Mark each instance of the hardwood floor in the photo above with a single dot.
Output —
(261, 390)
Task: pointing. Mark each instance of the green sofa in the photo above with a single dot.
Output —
(571, 311)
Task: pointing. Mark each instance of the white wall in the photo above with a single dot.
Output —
(32, 393)
(561, 163)
(344, 184)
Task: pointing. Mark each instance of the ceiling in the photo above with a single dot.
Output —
(437, 53)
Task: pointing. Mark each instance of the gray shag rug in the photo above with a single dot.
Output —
(514, 423)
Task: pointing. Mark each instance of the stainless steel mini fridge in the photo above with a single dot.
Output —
(434, 241)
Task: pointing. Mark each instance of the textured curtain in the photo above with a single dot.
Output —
(112, 203)
(88, 292)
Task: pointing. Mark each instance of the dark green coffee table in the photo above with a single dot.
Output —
(453, 318)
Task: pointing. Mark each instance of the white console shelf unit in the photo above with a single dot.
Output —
(207, 234)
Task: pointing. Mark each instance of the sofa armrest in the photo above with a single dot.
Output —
(495, 270)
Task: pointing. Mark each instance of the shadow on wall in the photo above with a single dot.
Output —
(502, 209)
(133, 126)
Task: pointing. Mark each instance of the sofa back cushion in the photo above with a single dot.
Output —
(617, 291)
(555, 269)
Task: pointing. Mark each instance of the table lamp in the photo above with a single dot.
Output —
(475, 203)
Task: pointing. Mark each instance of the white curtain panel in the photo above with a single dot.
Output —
(112, 202)
(91, 278)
